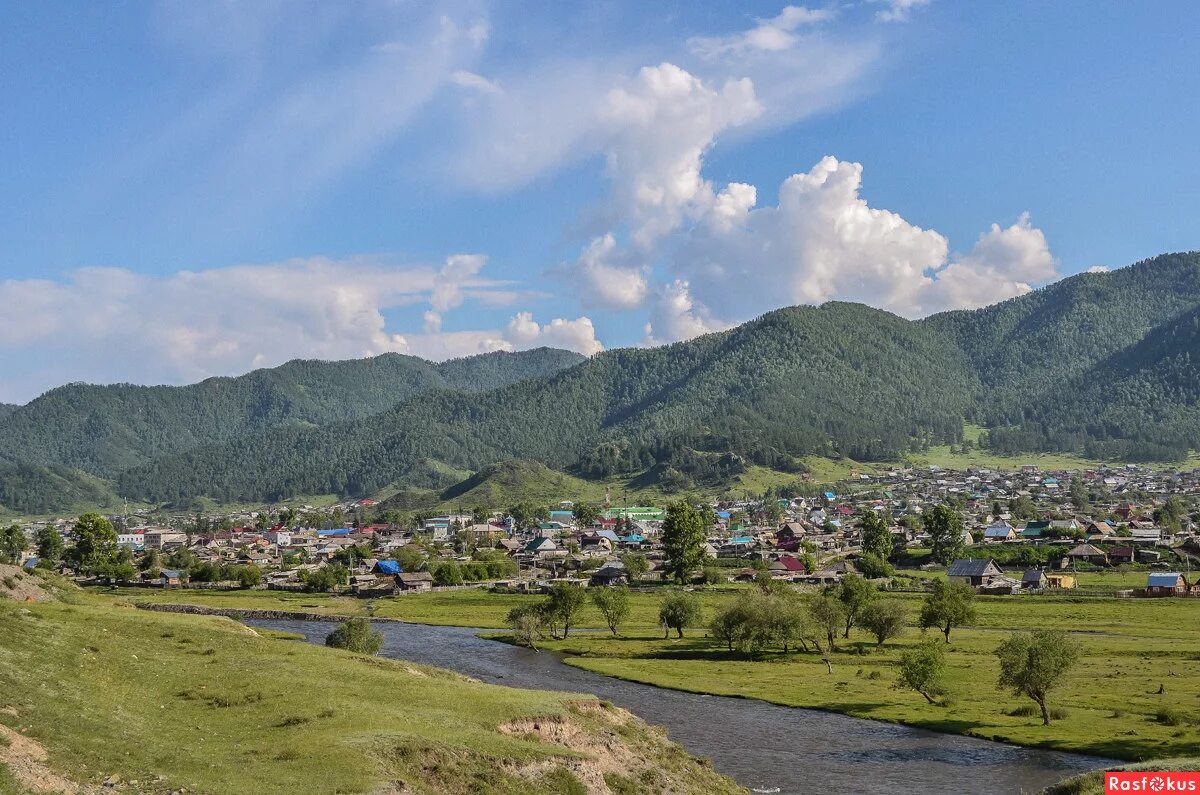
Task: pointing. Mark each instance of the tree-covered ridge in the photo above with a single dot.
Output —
(838, 379)
(107, 429)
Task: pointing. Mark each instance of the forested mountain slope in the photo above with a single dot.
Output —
(835, 379)
(107, 429)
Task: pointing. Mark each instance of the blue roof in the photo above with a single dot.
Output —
(829, 495)
(388, 567)
(609, 534)
(32, 563)
(1162, 580)
(337, 531)
(170, 573)
(741, 540)
(633, 538)
(724, 514)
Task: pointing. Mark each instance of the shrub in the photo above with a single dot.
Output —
(357, 636)
(1171, 716)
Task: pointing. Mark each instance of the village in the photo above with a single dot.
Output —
(1026, 531)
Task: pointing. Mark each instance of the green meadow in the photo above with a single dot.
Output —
(162, 703)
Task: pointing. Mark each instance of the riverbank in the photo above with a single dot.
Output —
(208, 705)
(1113, 706)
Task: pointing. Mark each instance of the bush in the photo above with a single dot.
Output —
(874, 567)
(357, 636)
(448, 574)
(1171, 716)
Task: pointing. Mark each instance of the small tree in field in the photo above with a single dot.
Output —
(828, 613)
(1033, 663)
(528, 623)
(566, 602)
(636, 565)
(357, 636)
(679, 610)
(613, 604)
(855, 594)
(884, 619)
(923, 668)
(949, 605)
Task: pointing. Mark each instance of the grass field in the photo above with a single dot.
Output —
(1131, 647)
(204, 704)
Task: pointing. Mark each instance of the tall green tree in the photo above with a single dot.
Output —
(12, 543)
(876, 535)
(1034, 663)
(565, 603)
(95, 542)
(945, 528)
(585, 514)
(613, 604)
(948, 605)
(683, 540)
(636, 565)
(855, 594)
(49, 545)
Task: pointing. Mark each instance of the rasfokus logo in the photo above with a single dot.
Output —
(1151, 781)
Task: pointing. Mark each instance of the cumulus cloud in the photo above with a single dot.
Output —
(769, 35)
(1098, 269)
(823, 242)
(1003, 264)
(112, 324)
(677, 316)
(607, 283)
(577, 335)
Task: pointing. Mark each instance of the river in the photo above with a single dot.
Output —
(761, 745)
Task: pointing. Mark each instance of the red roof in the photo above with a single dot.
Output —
(790, 563)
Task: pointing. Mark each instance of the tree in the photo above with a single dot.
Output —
(585, 514)
(680, 609)
(636, 565)
(480, 515)
(874, 567)
(566, 602)
(527, 623)
(355, 635)
(249, 575)
(829, 614)
(945, 528)
(1034, 663)
(613, 604)
(876, 535)
(923, 669)
(448, 573)
(855, 594)
(12, 544)
(683, 539)
(49, 545)
(411, 557)
(948, 605)
(95, 541)
(735, 624)
(885, 619)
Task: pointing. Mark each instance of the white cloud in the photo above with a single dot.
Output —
(1003, 264)
(579, 335)
(605, 283)
(823, 242)
(1098, 269)
(770, 35)
(677, 316)
(898, 10)
(111, 324)
(475, 82)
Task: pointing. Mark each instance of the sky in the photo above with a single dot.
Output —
(194, 188)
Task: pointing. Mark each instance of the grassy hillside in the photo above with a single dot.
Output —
(202, 704)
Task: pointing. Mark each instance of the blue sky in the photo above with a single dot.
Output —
(194, 189)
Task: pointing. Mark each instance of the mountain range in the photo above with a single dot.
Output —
(1099, 363)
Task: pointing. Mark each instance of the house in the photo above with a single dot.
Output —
(1034, 580)
(386, 567)
(1001, 531)
(786, 566)
(976, 573)
(1119, 555)
(1166, 584)
(611, 573)
(164, 539)
(414, 581)
(1034, 530)
(169, 578)
(541, 546)
(1086, 553)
